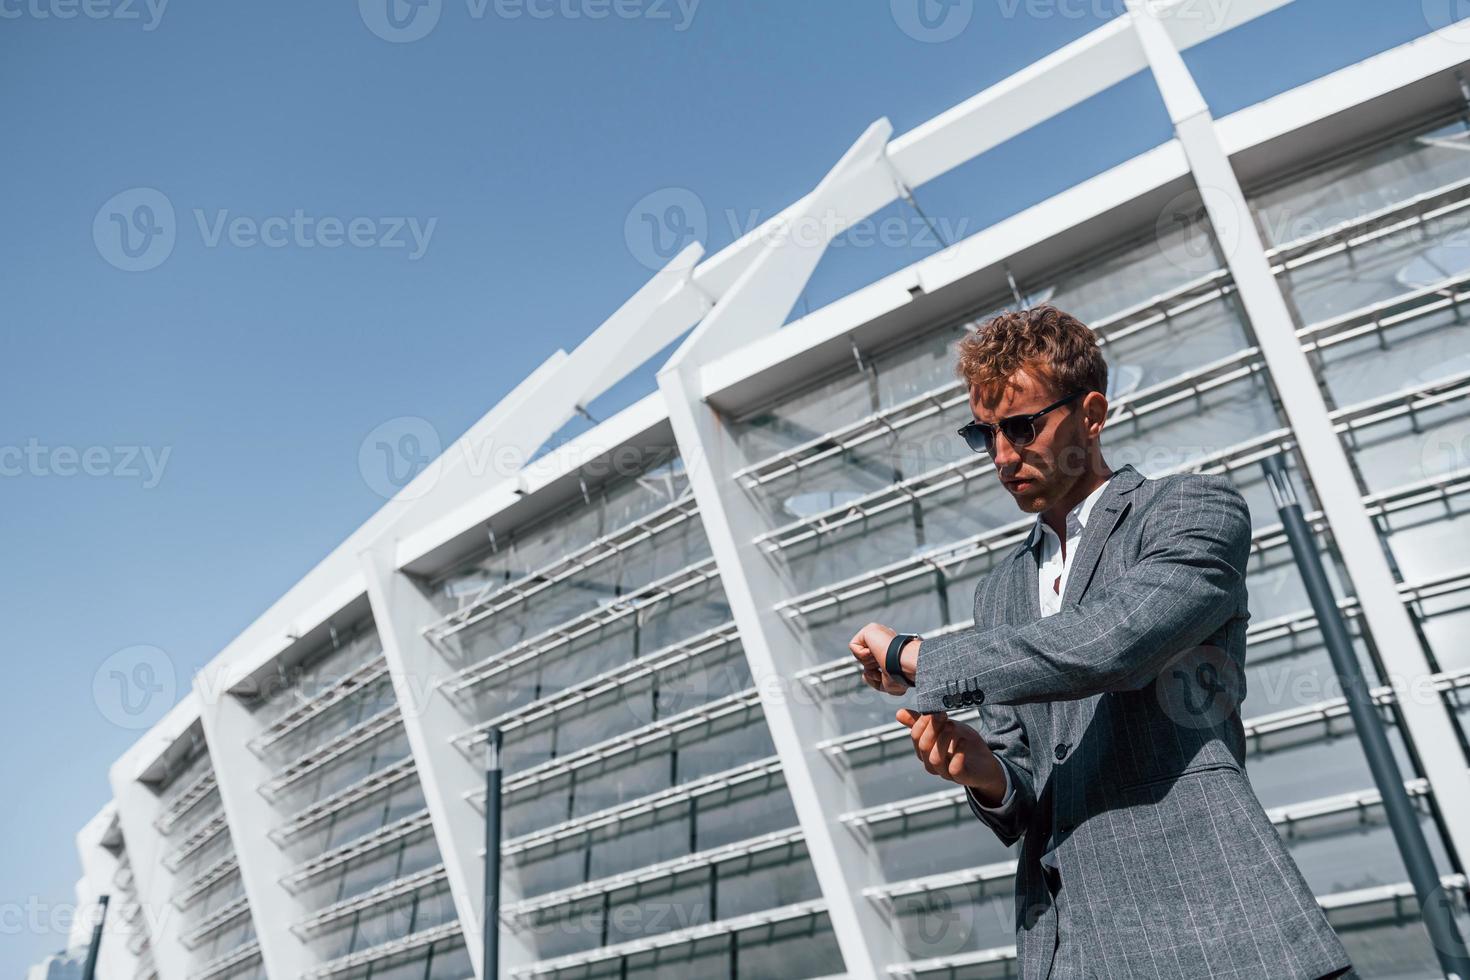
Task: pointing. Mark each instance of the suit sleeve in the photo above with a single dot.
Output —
(1187, 581)
(1004, 733)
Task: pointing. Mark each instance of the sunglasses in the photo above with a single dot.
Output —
(1019, 430)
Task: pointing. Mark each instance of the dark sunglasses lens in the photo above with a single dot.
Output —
(977, 437)
(1018, 432)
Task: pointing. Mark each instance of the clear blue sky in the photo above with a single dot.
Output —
(259, 370)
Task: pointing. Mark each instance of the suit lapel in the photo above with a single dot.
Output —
(1024, 571)
(1106, 515)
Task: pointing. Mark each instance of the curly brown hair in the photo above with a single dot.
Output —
(1050, 343)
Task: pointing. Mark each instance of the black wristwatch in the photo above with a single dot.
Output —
(893, 661)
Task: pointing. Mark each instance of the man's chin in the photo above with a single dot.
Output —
(1030, 498)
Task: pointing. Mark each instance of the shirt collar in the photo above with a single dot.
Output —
(1078, 514)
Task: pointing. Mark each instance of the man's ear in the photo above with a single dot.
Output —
(1095, 409)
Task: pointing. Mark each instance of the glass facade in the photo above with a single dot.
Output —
(648, 827)
(353, 823)
(641, 799)
(214, 914)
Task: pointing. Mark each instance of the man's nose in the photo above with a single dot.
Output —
(1004, 453)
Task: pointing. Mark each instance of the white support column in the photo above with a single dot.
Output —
(137, 807)
(228, 729)
(755, 305)
(115, 961)
(515, 428)
(1326, 460)
(431, 721)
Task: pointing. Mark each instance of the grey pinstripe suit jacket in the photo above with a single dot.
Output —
(1118, 718)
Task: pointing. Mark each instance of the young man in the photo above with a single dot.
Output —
(1107, 662)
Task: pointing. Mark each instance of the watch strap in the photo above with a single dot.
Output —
(893, 660)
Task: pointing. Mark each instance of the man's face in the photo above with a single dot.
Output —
(1042, 472)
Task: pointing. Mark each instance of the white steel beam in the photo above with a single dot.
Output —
(1067, 77)
(654, 317)
(514, 429)
(1326, 460)
(756, 304)
(229, 726)
(137, 807)
(115, 961)
(431, 722)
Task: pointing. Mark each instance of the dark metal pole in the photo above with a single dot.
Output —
(1402, 817)
(491, 925)
(89, 969)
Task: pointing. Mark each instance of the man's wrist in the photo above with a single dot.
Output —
(909, 660)
(994, 791)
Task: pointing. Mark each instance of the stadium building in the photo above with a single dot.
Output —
(653, 615)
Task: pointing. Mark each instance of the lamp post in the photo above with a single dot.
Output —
(491, 925)
(89, 968)
(1404, 821)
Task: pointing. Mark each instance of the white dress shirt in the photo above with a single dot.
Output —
(1051, 583)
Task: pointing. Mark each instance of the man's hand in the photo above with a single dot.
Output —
(954, 751)
(870, 647)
